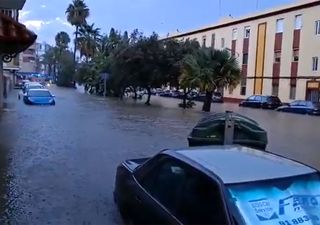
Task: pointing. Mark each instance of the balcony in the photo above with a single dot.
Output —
(12, 4)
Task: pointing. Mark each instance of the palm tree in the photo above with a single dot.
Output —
(210, 70)
(88, 40)
(77, 13)
(62, 40)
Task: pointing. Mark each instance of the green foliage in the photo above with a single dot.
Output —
(77, 13)
(62, 40)
(65, 69)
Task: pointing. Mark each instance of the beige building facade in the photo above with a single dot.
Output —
(278, 51)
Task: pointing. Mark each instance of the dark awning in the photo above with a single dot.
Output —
(14, 36)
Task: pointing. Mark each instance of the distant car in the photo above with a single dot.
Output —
(166, 93)
(217, 185)
(38, 97)
(31, 85)
(301, 107)
(260, 101)
(217, 97)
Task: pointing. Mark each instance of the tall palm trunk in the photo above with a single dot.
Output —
(207, 102)
(75, 45)
(149, 96)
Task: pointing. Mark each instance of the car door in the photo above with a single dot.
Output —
(157, 192)
(302, 107)
(176, 193)
(257, 101)
(249, 101)
(293, 107)
(201, 201)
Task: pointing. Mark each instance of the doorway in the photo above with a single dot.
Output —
(312, 91)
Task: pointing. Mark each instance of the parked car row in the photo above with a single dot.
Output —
(193, 95)
(273, 102)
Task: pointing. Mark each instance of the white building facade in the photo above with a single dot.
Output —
(278, 51)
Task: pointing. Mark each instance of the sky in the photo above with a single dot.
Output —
(47, 17)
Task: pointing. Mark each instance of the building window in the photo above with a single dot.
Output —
(243, 88)
(204, 40)
(295, 55)
(222, 43)
(315, 63)
(213, 40)
(292, 94)
(279, 26)
(275, 90)
(317, 26)
(234, 34)
(298, 22)
(247, 32)
(245, 58)
(7, 12)
(277, 57)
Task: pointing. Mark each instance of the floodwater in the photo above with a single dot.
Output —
(57, 164)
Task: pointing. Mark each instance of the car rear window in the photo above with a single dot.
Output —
(285, 201)
(39, 93)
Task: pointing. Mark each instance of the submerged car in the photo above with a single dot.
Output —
(261, 101)
(217, 185)
(301, 107)
(38, 97)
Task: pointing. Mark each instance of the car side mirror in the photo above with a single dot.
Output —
(53, 96)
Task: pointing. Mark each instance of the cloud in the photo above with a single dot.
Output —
(35, 24)
(43, 6)
(23, 14)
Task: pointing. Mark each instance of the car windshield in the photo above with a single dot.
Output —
(39, 93)
(286, 201)
(35, 86)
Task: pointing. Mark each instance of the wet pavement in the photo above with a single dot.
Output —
(57, 164)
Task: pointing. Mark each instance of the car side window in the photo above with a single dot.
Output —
(258, 98)
(295, 103)
(302, 103)
(189, 195)
(165, 182)
(251, 98)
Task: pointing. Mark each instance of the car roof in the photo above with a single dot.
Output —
(238, 164)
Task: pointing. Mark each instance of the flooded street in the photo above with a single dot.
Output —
(58, 163)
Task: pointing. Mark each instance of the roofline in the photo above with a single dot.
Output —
(260, 16)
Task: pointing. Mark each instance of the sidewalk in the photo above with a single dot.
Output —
(10, 101)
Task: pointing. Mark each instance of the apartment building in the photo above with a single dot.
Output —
(278, 51)
(28, 60)
(10, 9)
(14, 38)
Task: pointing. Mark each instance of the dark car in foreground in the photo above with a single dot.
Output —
(217, 185)
(38, 97)
(301, 107)
(261, 101)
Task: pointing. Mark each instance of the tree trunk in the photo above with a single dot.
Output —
(75, 45)
(207, 102)
(184, 101)
(135, 97)
(149, 96)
